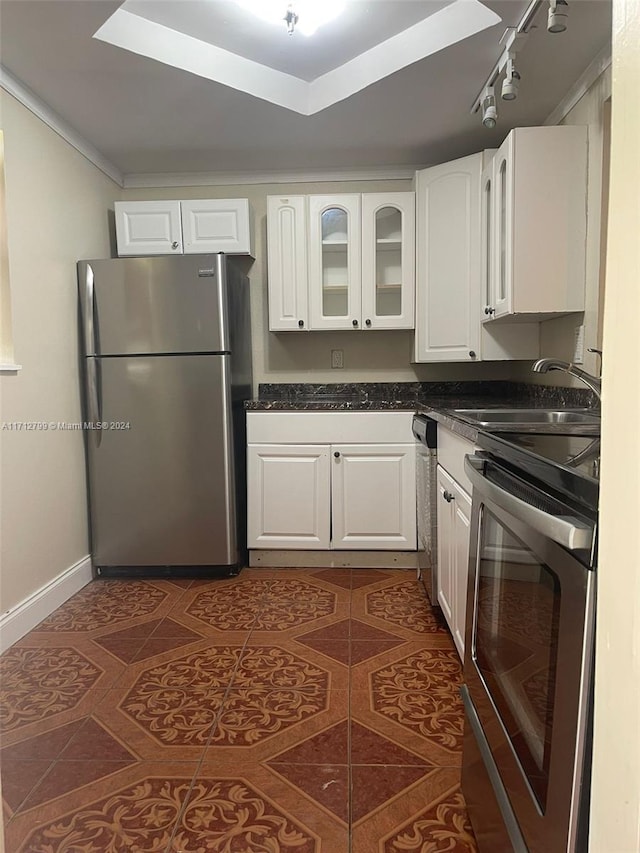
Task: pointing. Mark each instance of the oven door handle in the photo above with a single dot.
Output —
(567, 531)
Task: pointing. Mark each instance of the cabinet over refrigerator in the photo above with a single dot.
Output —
(167, 367)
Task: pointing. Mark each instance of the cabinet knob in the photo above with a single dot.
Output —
(489, 310)
(301, 324)
(367, 322)
(175, 244)
(448, 496)
(355, 324)
(336, 453)
(472, 353)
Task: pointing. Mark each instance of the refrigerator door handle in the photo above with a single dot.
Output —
(94, 399)
(89, 312)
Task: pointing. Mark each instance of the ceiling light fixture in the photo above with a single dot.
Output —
(511, 82)
(489, 108)
(557, 16)
(301, 16)
(291, 19)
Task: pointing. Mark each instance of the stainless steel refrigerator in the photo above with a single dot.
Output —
(167, 367)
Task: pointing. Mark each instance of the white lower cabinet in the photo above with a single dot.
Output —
(372, 507)
(454, 528)
(289, 493)
(454, 518)
(342, 496)
(445, 541)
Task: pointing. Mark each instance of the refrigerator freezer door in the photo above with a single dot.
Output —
(143, 306)
(161, 476)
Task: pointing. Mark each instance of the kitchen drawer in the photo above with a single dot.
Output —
(329, 427)
(452, 448)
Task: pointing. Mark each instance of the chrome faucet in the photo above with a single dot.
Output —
(543, 365)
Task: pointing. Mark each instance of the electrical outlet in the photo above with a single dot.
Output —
(578, 345)
(337, 358)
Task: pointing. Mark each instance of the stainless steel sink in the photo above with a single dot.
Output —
(489, 417)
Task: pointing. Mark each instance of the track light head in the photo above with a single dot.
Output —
(557, 16)
(511, 82)
(489, 109)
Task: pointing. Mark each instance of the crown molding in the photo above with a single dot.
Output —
(223, 179)
(15, 87)
(581, 86)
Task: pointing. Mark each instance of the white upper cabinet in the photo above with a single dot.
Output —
(216, 225)
(148, 227)
(455, 258)
(341, 261)
(448, 256)
(534, 210)
(334, 262)
(287, 263)
(197, 226)
(388, 260)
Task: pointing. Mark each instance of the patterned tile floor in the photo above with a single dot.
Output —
(314, 711)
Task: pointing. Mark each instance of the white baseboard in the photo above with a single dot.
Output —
(288, 559)
(19, 620)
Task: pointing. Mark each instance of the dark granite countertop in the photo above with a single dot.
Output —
(436, 399)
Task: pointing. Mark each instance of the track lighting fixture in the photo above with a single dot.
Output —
(557, 16)
(511, 81)
(489, 109)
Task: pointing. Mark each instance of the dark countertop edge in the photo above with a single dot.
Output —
(442, 416)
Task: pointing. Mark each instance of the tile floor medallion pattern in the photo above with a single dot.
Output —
(311, 711)
(38, 683)
(421, 692)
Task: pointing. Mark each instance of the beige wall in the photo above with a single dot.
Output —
(306, 357)
(557, 336)
(615, 807)
(57, 206)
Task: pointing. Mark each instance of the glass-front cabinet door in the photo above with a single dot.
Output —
(334, 262)
(388, 260)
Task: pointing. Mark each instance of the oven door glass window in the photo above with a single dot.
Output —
(516, 644)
